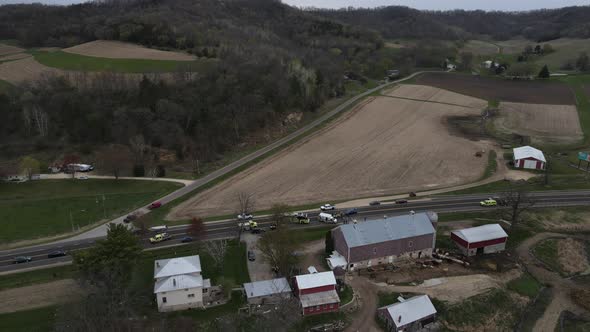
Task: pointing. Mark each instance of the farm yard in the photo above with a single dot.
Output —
(397, 139)
(534, 92)
(544, 124)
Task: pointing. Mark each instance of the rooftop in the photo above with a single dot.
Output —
(309, 300)
(314, 280)
(176, 266)
(393, 228)
(528, 152)
(266, 287)
(178, 282)
(411, 310)
(481, 233)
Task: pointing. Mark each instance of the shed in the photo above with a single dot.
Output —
(267, 291)
(483, 239)
(529, 157)
(412, 314)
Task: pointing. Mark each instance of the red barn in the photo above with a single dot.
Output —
(484, 239)
(529, 157)
(317, 293)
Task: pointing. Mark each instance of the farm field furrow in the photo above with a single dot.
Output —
(384, 146)
(119, 50)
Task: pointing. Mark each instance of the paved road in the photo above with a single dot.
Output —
(228, 228)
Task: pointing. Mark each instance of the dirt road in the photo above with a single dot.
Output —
(364, 319)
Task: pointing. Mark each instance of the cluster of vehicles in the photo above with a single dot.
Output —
(27, 259)
(493, 201)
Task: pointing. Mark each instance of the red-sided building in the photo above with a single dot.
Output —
(529, 157)
(317, 293)
(484, 239)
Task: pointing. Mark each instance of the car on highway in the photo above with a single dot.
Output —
(273, 226)
(257, 231)
(21, 259)
(160, 238)
(327, 207)
(245, 216)
(500, 200)
(488, 202)
(83, 177)
(374, 203)
(251, 256)
(401, 201)
(351, 212)
(57, 253)
(130, 218)
(154, 205)
(186, 239)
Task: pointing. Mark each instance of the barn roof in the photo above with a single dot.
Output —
(314, 280)
(524, 152)
(267, 287)
(411, 310)
(481, 233)
(394, 228)
(175, 266)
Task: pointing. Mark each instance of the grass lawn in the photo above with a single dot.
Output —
(535, 310)
(525, 285)
(345, 295)
(312, 234)
(35, 320)
(546, 251)
(4, 85)
(69, 61)
(50, 207)
(37, 276)
(476, 310)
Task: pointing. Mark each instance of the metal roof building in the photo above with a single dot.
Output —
(313, 280)
(267, 291)
(480, 240)
(529, 157)
(174, 266)
(317, 292)
(408, 315)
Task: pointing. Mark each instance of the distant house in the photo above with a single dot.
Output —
(179, 284)
(385, 241)
(317, 293)
(408, 315)
(529, 157)
(267, 291)
(485, 239)
(393, 73)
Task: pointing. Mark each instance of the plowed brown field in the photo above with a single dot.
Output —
(553, 124)
(8, 49)
(384, 146)
(535, 92)
(119, 50)
(27, 69)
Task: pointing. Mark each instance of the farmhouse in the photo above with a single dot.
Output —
(267, 291)
(529, 157)
(384, 241)
(317, 293)
(408, 315)
(484, 239)
(179, 284)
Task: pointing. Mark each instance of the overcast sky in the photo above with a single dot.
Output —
(419, 4)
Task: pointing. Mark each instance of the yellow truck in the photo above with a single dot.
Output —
(160, 238)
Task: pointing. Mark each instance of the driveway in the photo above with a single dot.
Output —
(258, 269)
(364, 319)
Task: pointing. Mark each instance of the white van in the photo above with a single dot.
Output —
(158, 229)
(327, 218)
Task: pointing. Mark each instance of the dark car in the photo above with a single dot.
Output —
(401, 201)
(273, 226)
(22, 259)
(130, 218)
(412, 194)
(186, 239)
(257, 230)
(251, 256)
(373, 203)
(57, 253)
(154, 205)
(350, 212)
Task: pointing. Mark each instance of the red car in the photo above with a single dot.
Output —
(155, 205)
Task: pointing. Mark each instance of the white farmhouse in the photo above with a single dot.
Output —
(179, 283)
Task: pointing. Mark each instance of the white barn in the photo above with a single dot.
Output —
(529, 157)
(179, 283)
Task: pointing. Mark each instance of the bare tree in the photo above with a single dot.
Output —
(246, 202)
(279, 214)
(114, 159)
(518, 200)
(197, 230)
(278, 249)
(139, 147)
(217, 250)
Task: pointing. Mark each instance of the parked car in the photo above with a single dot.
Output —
(374, 203)
(257, 230)
(154, 205)
(401, 201)
(251, 256)
(327, 207)
(245, 216)
(350, 212)
(500, 200)
(273, 226)
(412, 194)
(83, 177)
(488, 202)
(327, 218)
(130, 218)
(57, 253)
(22, 259)
(160, 238)
(186, 239)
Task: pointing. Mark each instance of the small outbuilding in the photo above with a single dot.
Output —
(484, 239)
(529, 157)
(267, 291)
(408, 315)
(317, 293)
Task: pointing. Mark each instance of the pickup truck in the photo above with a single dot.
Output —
(327, 207)
(160, 238)
(248, 225)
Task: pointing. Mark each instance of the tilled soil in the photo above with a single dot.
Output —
(37, 296)
(120, 50)
(571, 255)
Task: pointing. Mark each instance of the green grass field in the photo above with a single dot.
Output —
(546, 251)
(69, 61)
(51, 207)
(525, 285)
(35, 320)
(565, 49)
(36, 277)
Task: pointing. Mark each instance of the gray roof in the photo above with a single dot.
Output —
(313, 299)
(411, 310)
(394, 228)
(267, 287)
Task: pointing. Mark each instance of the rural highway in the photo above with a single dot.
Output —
(229, 228)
